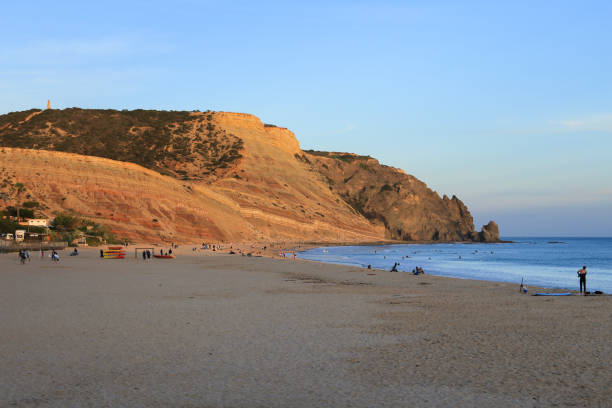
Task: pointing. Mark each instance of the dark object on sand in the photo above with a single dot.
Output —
(553, 294)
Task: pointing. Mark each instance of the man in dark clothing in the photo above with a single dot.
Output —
(582, 275)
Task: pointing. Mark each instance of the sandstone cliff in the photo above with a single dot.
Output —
(188, 176)
(141, 204)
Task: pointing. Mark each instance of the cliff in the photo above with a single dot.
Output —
(144, 205)
(190, 176)
(407, 208)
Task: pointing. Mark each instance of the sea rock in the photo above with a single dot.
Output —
(490, 232)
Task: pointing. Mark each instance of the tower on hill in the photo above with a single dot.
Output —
(48, 103)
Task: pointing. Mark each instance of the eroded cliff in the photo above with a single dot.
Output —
(407, 208)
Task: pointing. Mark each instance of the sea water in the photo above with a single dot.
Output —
(545, 262)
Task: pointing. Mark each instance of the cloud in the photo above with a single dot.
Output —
(592, 123)
(62, 52)
(348, 128)
(572, 123)
(536, 199)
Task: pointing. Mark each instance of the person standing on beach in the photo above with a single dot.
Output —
(582, 276)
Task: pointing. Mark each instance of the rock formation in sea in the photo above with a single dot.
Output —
(192, 176)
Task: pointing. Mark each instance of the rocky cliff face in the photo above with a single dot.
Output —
(188, 176)
(407, 208)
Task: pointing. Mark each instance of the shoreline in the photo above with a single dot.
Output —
(272, 253)
(451, 273)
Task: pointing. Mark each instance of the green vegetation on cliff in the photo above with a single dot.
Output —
(175, 143)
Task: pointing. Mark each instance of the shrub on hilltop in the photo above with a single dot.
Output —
(165, 141)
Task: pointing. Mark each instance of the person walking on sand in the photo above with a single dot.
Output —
(582, 276)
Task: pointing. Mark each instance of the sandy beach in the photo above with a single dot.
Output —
(219, 330)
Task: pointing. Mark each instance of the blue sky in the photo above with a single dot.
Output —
(508, 106)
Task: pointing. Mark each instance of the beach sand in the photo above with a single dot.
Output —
(237, 331)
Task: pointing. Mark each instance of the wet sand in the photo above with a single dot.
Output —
(223, 330)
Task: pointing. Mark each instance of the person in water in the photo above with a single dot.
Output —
(582, 276)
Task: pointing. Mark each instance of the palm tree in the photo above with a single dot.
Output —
(19, 188)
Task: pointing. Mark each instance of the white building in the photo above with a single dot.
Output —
(38, 222)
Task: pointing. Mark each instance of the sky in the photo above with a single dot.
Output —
(507, 105)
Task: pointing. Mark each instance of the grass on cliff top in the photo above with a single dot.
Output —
(160, 140)
(345, 157)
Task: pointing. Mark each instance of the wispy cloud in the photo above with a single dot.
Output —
(51, 52)
(545, 198)
(591, 123)
(347, 129)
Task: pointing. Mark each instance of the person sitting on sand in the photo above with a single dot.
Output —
(582, 276)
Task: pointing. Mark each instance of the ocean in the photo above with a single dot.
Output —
(545, 262)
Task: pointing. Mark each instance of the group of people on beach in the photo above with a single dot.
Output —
(283, 254)
(416, 271)
(24, 255)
